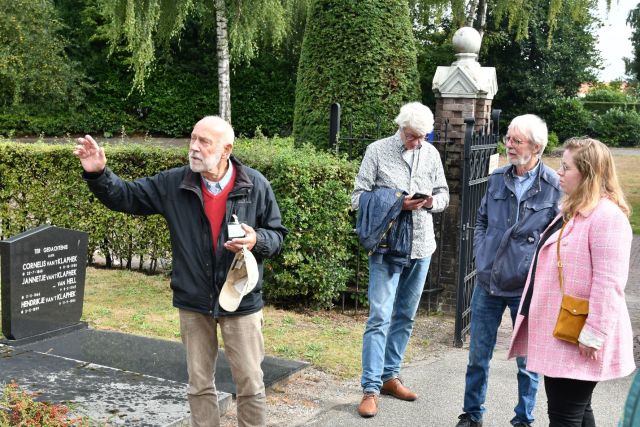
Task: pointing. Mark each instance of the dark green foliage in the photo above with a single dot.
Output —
(605, 97)
(176, 96)
(181, 89)
(361, 55)
(619, 127)
(615, 127)
(34, 67)
(567, 117)
(632, 65)
(437, 50)
(532, 74)
(42, 184)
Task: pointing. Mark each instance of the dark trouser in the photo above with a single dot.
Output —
(569, 402)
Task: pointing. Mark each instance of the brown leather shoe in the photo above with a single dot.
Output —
(368, 406)
(394, 387)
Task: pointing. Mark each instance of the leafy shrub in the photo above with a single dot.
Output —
(603, 98)
(553, 142)
(607, 94)
(41, 184)
(619, 127)
(568, 118)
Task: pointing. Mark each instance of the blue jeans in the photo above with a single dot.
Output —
(486, 315)
(394, 295)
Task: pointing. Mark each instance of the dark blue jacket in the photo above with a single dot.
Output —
(383, 227)
(198, 272)
(504, 248)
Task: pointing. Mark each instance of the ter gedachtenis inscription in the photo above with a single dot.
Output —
(63, 278)
(43, 274)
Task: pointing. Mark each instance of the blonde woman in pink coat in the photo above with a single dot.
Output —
(594, 248)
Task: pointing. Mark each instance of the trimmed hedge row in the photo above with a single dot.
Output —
(41, 183)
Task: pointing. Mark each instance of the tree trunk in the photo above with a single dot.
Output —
(222, 41)
(481, 22)
(471, 12)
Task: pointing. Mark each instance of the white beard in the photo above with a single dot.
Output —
(518, 160)
(200, 164)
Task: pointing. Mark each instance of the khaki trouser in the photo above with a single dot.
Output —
(244, 348)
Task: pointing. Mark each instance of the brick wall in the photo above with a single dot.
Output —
(444, 262)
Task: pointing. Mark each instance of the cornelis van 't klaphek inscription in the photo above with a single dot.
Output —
(43, 273)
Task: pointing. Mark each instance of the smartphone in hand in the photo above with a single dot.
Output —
(419, 196)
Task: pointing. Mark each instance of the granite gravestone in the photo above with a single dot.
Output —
(43, 272)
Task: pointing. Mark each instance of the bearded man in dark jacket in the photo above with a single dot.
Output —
(198, 201)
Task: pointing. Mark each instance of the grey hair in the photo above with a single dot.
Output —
(415, 116)
(217, 122)
(533, 128)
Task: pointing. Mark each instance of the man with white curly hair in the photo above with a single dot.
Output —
(405, 167)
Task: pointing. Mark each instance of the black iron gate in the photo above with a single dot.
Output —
(479, 146)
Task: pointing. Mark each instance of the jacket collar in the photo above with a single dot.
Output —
(536, 186)
(192, 180)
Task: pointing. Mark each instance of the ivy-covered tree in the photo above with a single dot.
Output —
(361, 55)
(34, 67)
(242, 26)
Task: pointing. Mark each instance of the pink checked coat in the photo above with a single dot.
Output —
(595, 250)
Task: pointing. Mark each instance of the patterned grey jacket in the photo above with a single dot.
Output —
(387, 164)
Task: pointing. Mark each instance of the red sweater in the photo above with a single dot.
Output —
(215, 207)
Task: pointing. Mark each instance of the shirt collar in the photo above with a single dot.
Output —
(223, 182)
(531, 174)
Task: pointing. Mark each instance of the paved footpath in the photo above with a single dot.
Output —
(440, 384)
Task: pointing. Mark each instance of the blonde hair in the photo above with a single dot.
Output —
(599, 178)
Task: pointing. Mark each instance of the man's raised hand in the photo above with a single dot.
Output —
(91, 156)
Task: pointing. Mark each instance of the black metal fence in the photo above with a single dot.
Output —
(479, 146)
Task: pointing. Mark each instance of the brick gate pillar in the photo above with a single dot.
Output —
(462, 90)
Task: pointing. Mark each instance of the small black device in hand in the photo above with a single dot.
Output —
(417, 196)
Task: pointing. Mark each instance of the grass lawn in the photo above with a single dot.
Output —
(140, 304)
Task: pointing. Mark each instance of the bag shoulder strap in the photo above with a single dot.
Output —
(559, 260)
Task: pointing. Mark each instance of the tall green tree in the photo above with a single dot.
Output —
(359, 54)
(517, 13)
(34, 67)
(241, 26)
(532, 73)
(632, 65)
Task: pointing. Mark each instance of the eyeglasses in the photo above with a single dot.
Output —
(409, 137)
(565, 168)
(514, 141)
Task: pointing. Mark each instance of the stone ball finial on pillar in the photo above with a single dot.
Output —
(467, 40)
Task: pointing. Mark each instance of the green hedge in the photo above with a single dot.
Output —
(601, 107)
(41, 184)
(619, 127)
(176, 97)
